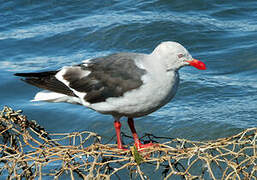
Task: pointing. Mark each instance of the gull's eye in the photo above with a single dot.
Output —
(180, 55)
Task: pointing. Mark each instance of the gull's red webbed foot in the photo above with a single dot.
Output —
(143, 146)
(138, 144)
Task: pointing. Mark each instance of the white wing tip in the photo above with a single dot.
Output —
(47, 96)
(55, 97)
(34, 100)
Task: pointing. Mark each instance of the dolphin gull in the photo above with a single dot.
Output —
(121, 84)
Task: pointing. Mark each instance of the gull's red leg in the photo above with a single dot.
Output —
(117, 126)
(138, 144)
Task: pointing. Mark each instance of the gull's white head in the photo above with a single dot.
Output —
(176, 56)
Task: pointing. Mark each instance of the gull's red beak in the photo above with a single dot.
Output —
(197, 64)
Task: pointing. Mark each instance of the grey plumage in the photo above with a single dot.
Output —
(109, 76)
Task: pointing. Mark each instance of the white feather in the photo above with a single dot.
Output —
(80, 73)
(55, 97)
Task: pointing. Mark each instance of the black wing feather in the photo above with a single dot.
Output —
(110, 76)
(46, 80)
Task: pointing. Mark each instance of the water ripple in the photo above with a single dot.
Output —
(44, 35)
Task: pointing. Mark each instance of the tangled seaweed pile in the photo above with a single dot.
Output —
(29, 152)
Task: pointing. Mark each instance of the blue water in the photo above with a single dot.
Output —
(221, 101)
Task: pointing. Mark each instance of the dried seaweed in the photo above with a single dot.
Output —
(28, 151)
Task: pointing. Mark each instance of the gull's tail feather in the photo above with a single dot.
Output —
(46, 80)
